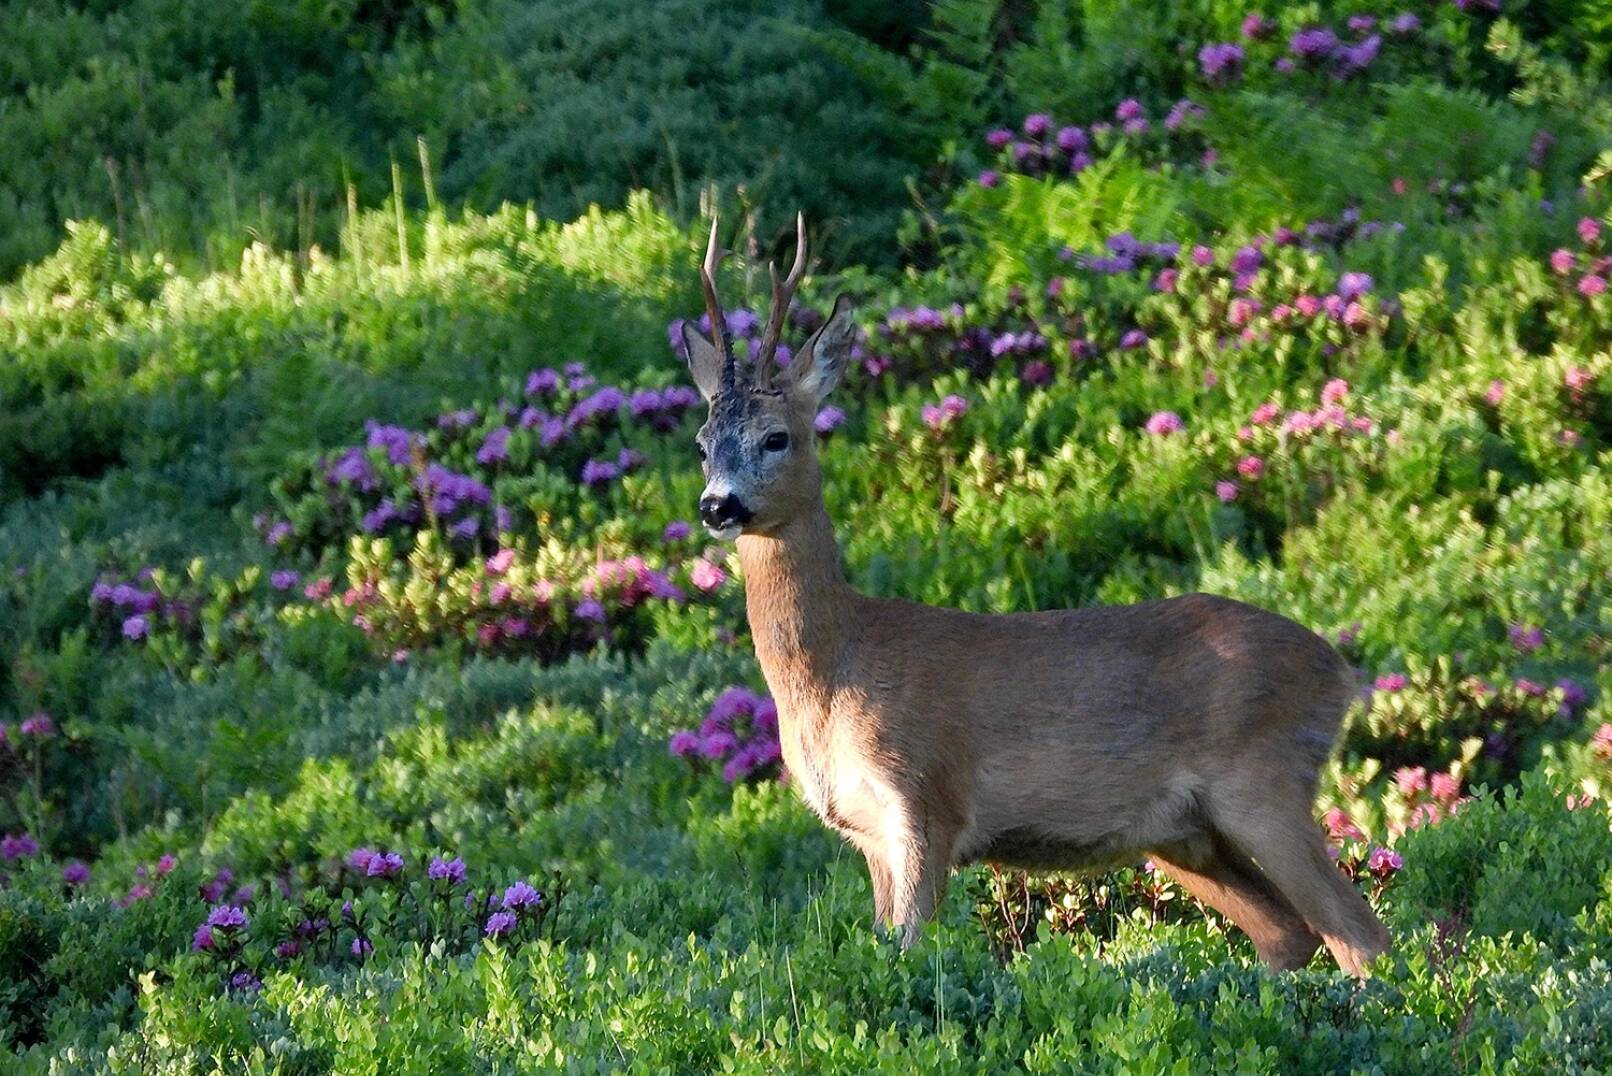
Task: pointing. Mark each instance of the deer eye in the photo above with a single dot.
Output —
(775, 442)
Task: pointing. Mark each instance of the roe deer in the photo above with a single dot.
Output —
(1190, 728)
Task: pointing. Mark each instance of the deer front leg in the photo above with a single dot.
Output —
(883, 886)
(922, 869)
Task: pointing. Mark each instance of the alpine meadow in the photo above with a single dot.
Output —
(377, 686)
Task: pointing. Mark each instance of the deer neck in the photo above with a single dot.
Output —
(800, 609)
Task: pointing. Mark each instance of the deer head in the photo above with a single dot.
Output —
(757, 447)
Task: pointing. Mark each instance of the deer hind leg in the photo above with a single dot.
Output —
(1287, 844)
(1234, 887)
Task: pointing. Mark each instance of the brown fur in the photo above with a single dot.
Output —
(1190, 728)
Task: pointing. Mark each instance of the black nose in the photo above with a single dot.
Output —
(719, 512)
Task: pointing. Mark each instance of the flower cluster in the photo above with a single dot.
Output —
(1340, 54)
(1271, 437)
(1045, 147)
(740, 731)
(1585, 270)
(453, 475)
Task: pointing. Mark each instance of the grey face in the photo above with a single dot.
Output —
(745, 446)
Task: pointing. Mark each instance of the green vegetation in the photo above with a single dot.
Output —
(362, 680)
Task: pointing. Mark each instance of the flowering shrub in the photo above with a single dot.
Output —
(740, 731)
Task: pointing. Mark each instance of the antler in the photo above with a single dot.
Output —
(713, 309)
(781, 295)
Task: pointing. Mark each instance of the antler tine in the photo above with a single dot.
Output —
(713, 308)
(784, 292)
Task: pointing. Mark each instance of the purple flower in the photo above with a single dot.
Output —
(676, 531)
(590, 609)
(495, 449)
(989, 178)
(1226, 490)
(1313, 45)
(465, 529)
(1219, 63)
(384, 865)
(20, 846)
(1182, 111)
(599, 472)
(718, 744)
(136, 627)
(1573, 696)
(1361, 24)
(521, 895)
(828, 420)
(446, 870)
(500, 923)
(1405, 23)
(225, 917)
(202, 940)
(999, 138)
(542, 382)
(683, 744)
(1527, 639)
(1071, 139)
(278, 534)
(76, 874)
(1129, 109)
(283, 579)
(359, 858)
(246, 982)
(362, 947)
(1037, 124)
(1164, 423)
(398, 442)
(354, 467)
(38, 724)
(1354, 285)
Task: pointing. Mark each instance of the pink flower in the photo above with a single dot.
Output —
(1251, 467)
(1496, 392)
(500, 562)
(1226, 490)
(1589, 229)
(1307, 305)
(1391, 682)
(707, 576)
(1591, 286)
(1166, 279)
(1578, 379)
(1562, 261)
(1164, 423)
(1384, 861)
(1264, 413)
(1444, 787)
(1411, 779)
(1334, 390)
(1203, 256)
(1341, 826)
(1210, 379)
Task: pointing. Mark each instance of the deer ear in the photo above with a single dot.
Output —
(704, 361)
(823, 358)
